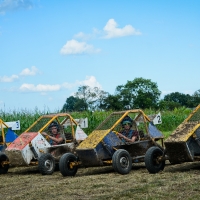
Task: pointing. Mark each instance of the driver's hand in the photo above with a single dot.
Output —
(120, 135)
(43, 133)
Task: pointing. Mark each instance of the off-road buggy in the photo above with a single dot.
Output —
(7, 134)
(104, 147)
(183, 145)
(32, 148)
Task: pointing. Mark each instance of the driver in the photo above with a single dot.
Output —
(55, 136)
(127, 134)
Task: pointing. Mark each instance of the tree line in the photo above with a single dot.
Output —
(139, 93)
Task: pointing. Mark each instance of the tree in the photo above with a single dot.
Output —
(74, 104)
(112, 103)
(196, 98)
(180, 98)
(100, 97)
(92, 97)
(139, 93)
(168, 105)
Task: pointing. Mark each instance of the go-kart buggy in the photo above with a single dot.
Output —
(104, 147)
(32, 148)
(7, 135)
(183, 145)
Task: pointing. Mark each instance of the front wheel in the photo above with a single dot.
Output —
(46, 164)
(3, 163)
(68, 164)
(153, 160)
(121, 161)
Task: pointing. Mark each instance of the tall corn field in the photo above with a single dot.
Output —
(26, 117)
(170, 119)
(94, 118)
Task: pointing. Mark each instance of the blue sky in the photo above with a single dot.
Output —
(50, 48)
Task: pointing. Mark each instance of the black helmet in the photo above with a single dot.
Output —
(53, 123)
(127, 119)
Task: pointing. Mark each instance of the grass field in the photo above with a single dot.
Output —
(175, 182)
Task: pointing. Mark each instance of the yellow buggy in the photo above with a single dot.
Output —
(104, 147)
(32, 148)
(7, 134)
(183, 145)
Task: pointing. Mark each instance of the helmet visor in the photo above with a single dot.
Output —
(126, 122)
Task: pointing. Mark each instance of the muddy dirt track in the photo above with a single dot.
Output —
(175, 182)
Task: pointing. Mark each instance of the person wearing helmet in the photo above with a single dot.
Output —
(127, 134)
(55, 136)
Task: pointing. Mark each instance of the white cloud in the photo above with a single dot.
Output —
(43, 88)
(75, 47)
(29, 72)
(9, 79)
(83, 36)
(25, 72)
(11, 5)
(111, 30)
(68, 85)
(39, 88)
(90, 81)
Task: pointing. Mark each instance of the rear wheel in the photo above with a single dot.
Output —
(121, 161)
(3, 163)
(66, 164)
(153, 160)
(46, 164)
